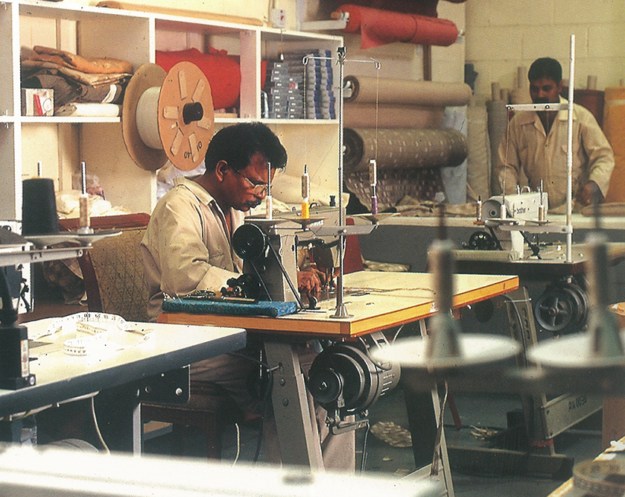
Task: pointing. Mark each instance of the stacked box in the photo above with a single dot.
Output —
(285, 96)
(296, 90)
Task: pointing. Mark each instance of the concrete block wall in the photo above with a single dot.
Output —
(503, 35)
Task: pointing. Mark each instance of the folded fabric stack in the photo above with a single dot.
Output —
(77, 80)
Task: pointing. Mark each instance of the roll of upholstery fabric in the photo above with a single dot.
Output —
(479, 153)
(497, 125)
(392, 116)
(364, 89)
(403, 148)
(221, 70)
(395, 185)
(613, 119)
(379, 27)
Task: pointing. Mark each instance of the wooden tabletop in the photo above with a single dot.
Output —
(374, 301)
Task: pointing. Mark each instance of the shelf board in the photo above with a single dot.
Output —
(235, 120)
(67, 120)
(314, 122)
(73, 12)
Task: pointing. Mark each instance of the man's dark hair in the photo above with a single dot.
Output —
(545, 67)
(237, 144)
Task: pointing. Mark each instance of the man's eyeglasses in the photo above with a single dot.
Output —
(257, 188)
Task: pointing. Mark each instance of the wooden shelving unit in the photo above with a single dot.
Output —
(60, 143)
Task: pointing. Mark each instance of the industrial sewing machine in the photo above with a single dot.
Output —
(506, 217)
(343, 378)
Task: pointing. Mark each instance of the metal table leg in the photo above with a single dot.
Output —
(291, 408)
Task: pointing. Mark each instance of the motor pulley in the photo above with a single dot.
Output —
(562, 308)
(481, 240)
(345, 380)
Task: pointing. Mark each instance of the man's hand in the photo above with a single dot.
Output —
(309, 281)
(589, 192)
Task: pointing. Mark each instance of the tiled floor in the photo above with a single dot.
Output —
(486, 411)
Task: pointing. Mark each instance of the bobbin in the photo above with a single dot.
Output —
(168, 116)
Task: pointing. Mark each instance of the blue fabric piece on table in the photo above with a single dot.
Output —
(261, 308)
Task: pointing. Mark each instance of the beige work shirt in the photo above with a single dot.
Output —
(187, 245)
(543, 156)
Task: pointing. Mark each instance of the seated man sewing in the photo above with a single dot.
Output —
(536, 143)
(187, 245)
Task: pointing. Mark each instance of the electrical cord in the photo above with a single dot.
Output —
(520, 322)
(363, 461)
(97, 427)
(236, 458)
(265, 402)
(397, 333)
(265, 405)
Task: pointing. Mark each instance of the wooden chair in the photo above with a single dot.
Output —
(114, 281)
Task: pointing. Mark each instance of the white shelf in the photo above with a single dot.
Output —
(68, 120)
(135, 37)
(313, 122)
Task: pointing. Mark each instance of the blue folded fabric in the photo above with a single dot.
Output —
(261, 308)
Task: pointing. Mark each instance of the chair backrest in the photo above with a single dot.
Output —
(113, 274)
(118, 269)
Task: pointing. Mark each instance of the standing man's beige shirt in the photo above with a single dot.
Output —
(526, 146)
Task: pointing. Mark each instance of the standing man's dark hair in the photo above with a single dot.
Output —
(545, 67)
(236, 145)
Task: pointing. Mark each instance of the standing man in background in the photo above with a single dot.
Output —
(536, 143)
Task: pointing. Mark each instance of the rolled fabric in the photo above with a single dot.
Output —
(479, 153)
(497, 125)
(392, 116)
(613, 118)
(221, 70)
(520, 96)
(379, 27)
(395, 185)
(362, 89)
(403, 148)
